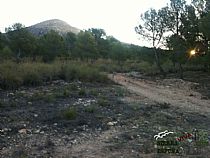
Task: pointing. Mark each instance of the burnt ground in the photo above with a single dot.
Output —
(102, 121)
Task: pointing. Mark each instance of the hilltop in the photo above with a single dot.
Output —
(55, 24)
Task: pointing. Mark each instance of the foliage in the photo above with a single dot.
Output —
(153, 29)
(21, 41)
(51, 45)
(70, 113)
(103, 102)
(14, 75)
(85, 46)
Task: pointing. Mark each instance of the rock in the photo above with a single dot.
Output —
(37, 131)
(146, 122)
(55, 124)
(12, 94)
(42, 132)
(204, 98)
(35, 115)
(44, 151)
(134, 127)
(29, 103)
(22, 131)
(111, 123)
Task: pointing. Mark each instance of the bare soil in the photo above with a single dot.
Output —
(116, 120)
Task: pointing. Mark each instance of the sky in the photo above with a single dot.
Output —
(117, 17)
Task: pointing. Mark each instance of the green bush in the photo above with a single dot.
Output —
(90, 109)
(70, 113)
(66, 93)
(82, 92)
(49, 98)
(94, 92)
(9, 80)
(103, 102)
(13, 75)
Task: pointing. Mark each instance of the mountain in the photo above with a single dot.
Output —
(55, 24)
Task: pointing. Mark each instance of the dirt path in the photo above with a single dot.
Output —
(181, 96)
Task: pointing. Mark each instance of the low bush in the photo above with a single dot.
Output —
(103, 102)
(13, 75)
(70, 113)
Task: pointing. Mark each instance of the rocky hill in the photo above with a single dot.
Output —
(55, 24)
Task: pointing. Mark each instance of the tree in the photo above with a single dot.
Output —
(189, 26)
(51, 45)
(102, 43)
(97, 33)
(118, 52)
(204, 26)
(182, 20)
(152, 29)
(86, 46)
(176, 9)
(70, 40)
(1, 41)
(21, 41)
(6, 53)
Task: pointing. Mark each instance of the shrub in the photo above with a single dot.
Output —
(9, 80)
(13, 75)
(82, 92)
(103, 102)
(66, 93)
(49, 98)
(90, 109)
(70, 113)
(94, 92)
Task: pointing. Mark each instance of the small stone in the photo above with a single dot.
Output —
(37, 131)
(42, 132)
(11, 94)
(146, 122)
(29, 103)
(35, 115)
(111, 123)
(22, 92)
(204, 98)
(23, 131)
(55, 124)
(189, 140)
(44, 151)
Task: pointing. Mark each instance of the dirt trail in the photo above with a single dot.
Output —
(180, 96)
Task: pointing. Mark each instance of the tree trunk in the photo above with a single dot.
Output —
(180, 71)
(158, 63)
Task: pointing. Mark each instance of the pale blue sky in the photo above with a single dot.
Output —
(116, 17)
